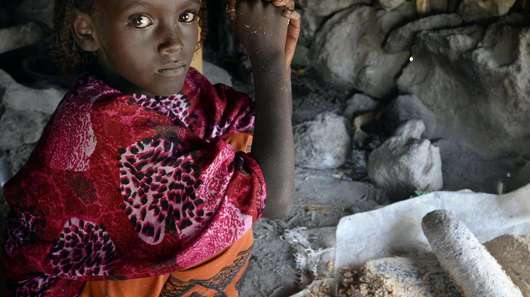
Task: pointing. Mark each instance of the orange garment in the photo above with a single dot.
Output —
(218, 277)
(221, 274)
(241, 141)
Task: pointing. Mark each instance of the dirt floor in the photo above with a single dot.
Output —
(321, 199)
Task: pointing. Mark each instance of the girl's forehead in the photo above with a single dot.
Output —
(123, 4)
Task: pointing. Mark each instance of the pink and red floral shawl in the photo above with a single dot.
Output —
(127, 186)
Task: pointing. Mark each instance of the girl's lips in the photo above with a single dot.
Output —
(172, 70)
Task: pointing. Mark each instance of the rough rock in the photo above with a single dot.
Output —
(476, 82)
(18, 128)
(391, 4)
(361, 138)
(398, 277)
(2, 107)
(520, 177)
(21, 98)
(404, 165)
(357, 104)
(464, 167)
(26, 113)
(312, 97)
(322, 198)
(348, 49)
(516, 18)
(311, 25)
(17, 157)
(325, 8)
(473, 10)
(412, 129)
(513, 253)
(36, 10)
(5, 170)
(402, 38)
(19, 131)
(19, 36)
(216, 74)
(323, 143)
(359, 160)
(301, 56)
(409, 107)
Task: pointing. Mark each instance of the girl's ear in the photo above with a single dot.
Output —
(84, 31)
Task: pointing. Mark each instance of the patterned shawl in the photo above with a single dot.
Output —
(127, 186)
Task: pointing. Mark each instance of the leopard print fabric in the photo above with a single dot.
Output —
(176, 107)
(83, 249)
(159, 188)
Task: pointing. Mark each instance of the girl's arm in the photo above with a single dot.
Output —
(273, 145)
(270, 41)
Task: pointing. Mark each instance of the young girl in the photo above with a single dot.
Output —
(137, 187)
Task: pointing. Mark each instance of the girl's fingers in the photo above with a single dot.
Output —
(288, 11)
(293, 33)
(282, 3)
(291, 14)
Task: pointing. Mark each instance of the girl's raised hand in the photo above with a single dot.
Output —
(268, 29)
(293, 31)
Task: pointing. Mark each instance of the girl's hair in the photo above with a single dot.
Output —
(68, 55)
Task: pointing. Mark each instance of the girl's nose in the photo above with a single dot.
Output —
(171, 41)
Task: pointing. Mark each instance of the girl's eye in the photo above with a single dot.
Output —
(140, 21)
(188, 17)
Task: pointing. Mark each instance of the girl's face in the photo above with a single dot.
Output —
(142, 45)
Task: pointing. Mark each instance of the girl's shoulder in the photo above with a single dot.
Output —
(83, 95)
(69, 139)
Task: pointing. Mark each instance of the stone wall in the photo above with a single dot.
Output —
(467, 62)
(461, 68)
(468, 65)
